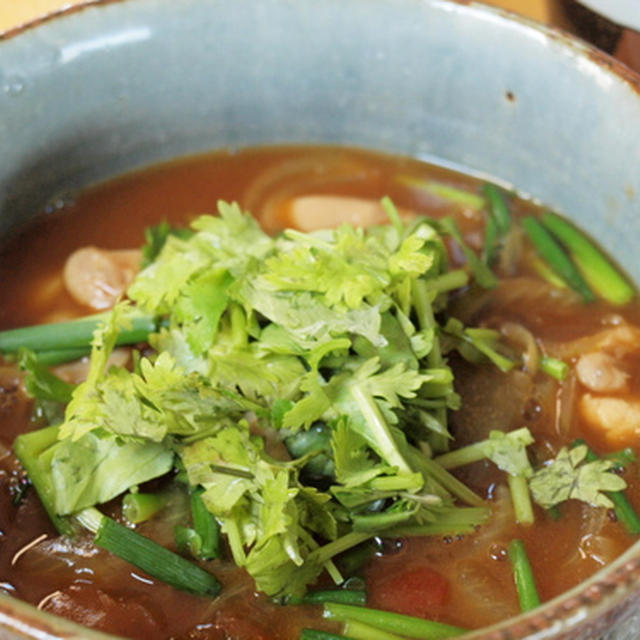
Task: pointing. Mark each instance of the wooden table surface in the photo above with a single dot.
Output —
(16, 12)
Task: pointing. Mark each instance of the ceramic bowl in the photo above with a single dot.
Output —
(119, 85)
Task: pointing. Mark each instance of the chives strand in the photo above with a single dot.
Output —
(314, 634)
(498, 208)
(361, 631)
(148, 555)
(444, 191)
(555, 256)
(344, 596)
(410, 626)
(73, 334)
(600, 273)
(523, 576)
(206, 526)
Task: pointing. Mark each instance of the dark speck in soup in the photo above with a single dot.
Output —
(458, 578)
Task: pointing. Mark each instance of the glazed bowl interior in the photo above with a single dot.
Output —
(121, 85)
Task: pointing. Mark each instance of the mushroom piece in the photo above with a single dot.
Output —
(96, 278)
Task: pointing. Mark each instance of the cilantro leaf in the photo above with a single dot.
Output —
(570, 476)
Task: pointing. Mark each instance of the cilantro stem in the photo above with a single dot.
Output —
(521, 499)
(345, 542)
(234, 538)
(605, 279)
(426, 320)
(449, 482)
(71, 335)
(482, 340)
(475, 452)
(554, 367)
(409, 626)
(448, 281)
(148, 555)
(523, 576)
(458, 521)
(554, 255)
(623, 508)
(421, 298)
(239, 336)
(379, 429)
(392, 212)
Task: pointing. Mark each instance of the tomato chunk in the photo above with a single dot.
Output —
(415, 592)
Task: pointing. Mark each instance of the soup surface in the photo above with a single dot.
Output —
(570, 370)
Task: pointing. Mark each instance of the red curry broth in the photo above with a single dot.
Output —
(464, 581)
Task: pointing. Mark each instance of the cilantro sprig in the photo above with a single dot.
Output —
(257, 339)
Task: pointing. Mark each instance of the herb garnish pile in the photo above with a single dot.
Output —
(333, 343)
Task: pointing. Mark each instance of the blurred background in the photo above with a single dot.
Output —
(608, 28)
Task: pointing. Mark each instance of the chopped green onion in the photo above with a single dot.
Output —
(148, 555)
(554, 367)
(361, 631)
(352, 560)
(444, 191)
(555, 256)
(344, 596)
(523, 576)
(547, 273)
(498, 222)
(483, 275)
(74, 334)
(52, 357)
(490, 240)
(605, 279)
(206, 526)
(139, 507)
(498, 208)
(314, 634)
(624, 510)
(409, 626)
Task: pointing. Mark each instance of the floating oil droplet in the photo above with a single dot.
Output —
(58, 203)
